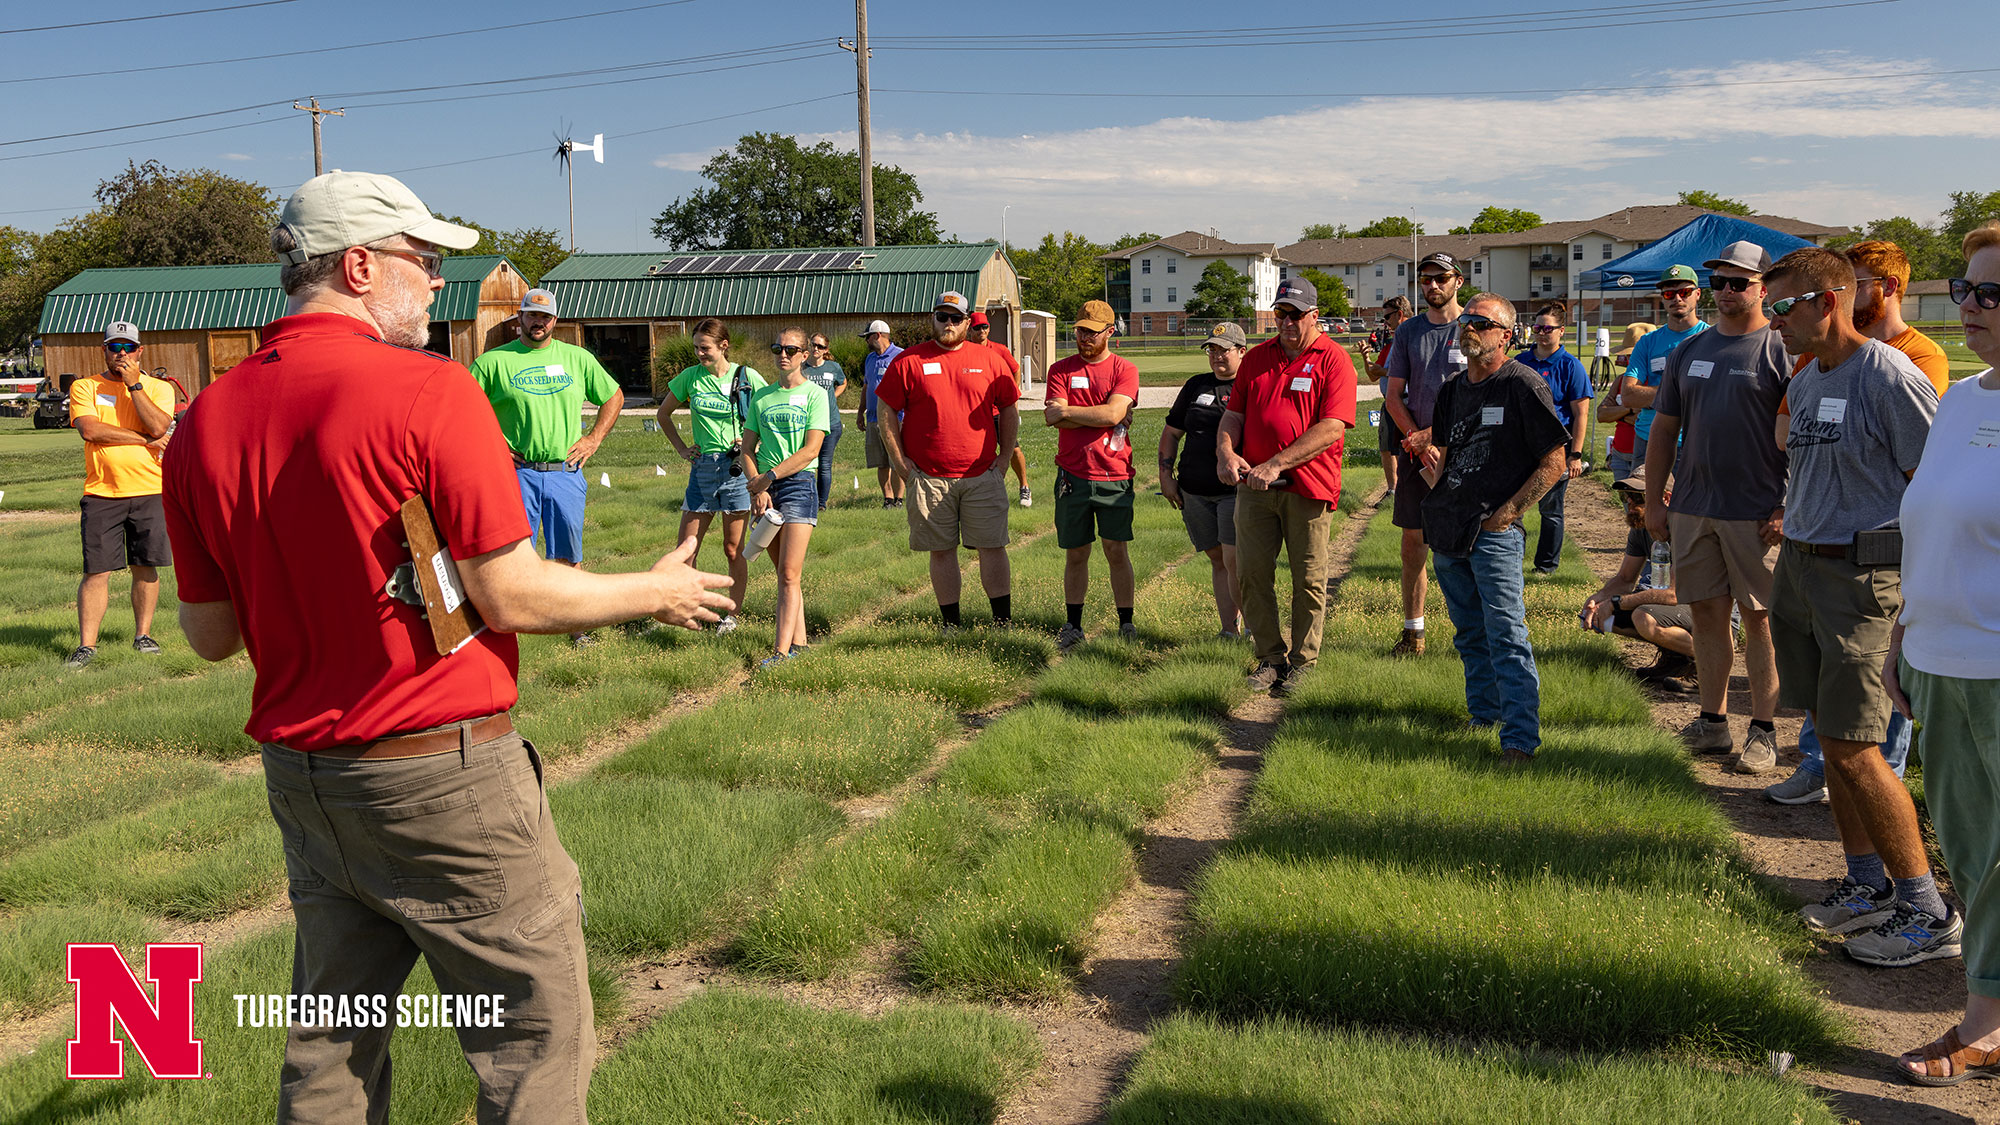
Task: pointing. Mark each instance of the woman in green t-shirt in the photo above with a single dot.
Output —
(782, 435)
(717, 395)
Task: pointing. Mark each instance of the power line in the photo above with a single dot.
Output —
(137, 19)
(140, 124)
(132, 141)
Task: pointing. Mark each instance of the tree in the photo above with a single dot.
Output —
(1968, 209)
(1127, 241)
(1313, 232)
(1920, 242)
(1220, 294)
(1500, 220)
(1389, 226)
(1333, 299)
(1709, 201)
(769, 192)
(1059, 275)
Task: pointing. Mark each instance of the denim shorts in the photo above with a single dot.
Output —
(711, 488)
(797, 498)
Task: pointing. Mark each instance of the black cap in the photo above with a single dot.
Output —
(1298, 293)
(1440, 258)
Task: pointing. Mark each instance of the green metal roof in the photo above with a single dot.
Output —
(893, 279)
(173, 298)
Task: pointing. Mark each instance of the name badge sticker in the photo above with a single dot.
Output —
(1455, 357)
(933, 368)
(1700, 369)
(1302, 382)
(1832, 410)
(1079, 382)
(1204, 400)
(107, 400)
(1492, 415)
(1659, 365)
(798, 400)
(1987, 434)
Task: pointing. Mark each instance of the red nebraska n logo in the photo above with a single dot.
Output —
(161, 1029)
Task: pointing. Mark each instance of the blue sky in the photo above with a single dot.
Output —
(1566, 108)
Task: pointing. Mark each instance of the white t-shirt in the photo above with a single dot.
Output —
(1951, 540)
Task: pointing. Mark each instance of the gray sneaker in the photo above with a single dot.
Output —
(82, 656)
(1804, 787)
(1910, 937)
(1288, 682)
(1128, 631)
(726, 625)
(146, 644)
(1760, 752)
(1851, 906)
(1266, 676)
(1702, 735)
(1068, 638)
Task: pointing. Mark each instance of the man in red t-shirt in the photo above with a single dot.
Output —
(978, 333)
(1280, 444)
(413, 815)
(1090, 397)
(950, 427)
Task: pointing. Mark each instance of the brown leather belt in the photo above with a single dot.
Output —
(1823, 550)
(422, 743)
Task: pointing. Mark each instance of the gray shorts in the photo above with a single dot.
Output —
(1210, 520)
(876, 456)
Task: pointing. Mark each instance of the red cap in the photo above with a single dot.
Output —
(978, 321)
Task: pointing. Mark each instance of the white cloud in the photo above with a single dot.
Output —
(237, 156)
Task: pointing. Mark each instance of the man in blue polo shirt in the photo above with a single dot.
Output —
(1680, 295)
(1569, 393)
(873, 366)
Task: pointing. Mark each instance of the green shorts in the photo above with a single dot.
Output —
(1086, 509)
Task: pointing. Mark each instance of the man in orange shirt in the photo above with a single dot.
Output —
(978, 333)
(122, 416)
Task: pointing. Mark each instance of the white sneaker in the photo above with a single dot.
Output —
(1027, 497)
(726, 625)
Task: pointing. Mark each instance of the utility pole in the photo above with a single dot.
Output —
(319, 160)
(860, 49)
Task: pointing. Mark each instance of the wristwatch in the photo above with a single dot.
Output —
(1618, 603)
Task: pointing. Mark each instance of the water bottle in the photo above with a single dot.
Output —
(766, 530)
(1116, 440)
(1662, 565)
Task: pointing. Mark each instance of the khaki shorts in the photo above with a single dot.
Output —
(947, 511)
(877, 456)
(1720, 558)
(1830, 625)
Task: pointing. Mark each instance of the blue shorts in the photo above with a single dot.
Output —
(555, 511)
(797, 498)
(711, 488)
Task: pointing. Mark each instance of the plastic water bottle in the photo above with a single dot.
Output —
(1662, 565)
(1116, 440)
(760, 536)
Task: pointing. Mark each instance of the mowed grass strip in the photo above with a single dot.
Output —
(196, 714)
(571, 697)
(54, 789)
(736, 1057)
(970, 669)
(32, 967)
(1110, 676)
(1195, 1070)
(198, 857)
(830, 746)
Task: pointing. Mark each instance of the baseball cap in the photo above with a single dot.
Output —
(539, 300)
(1630, 340)
(875, 326)
(122, 330)
(1677, 273)
(332, 212)
(1744, 255)
(1440, 258)
(952, 300)
(1298, 293)
(1226, 336)
(979, 320)
(1096, 316)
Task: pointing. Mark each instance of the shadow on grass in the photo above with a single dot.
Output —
(936, 1101)
(83, 1101)
(1159, 1106)
(52, 639)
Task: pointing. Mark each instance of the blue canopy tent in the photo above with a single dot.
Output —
(1691, 245)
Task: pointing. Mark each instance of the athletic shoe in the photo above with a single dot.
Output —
(81, 656)
(1027, 497)
(1128, 631)
(1287, 683)
(1703, 735)
(726, 625)
(1068, 638)
(1760, 752)
(1227, 635)
(888, 503)
(774, 658)
(1804, 787)
(1545, 572)
(1910, 937)
(146, 644)
(799, 650)
(583, 640)
(1850, 907)
(1267, 676)
(1684, 684)
(1512, 757)
(1412, 644)
(1668, 664)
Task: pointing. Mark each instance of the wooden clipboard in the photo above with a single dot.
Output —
(452, 617)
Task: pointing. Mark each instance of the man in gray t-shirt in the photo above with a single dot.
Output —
(1423, 355)
(1857, 433)
(1726, 390)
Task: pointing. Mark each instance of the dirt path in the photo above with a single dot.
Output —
(1892, 1010)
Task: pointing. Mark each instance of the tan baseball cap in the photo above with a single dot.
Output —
(332, 212)
(1096, 316)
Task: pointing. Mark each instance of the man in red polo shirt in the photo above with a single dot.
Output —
(950, 427)
(1090, 397)
(1280, 444)
(413, 815)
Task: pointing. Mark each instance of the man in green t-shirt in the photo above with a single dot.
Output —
(537, 386)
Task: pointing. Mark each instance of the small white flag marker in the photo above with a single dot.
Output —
(604, 479)
(857, 484)
(659, 472)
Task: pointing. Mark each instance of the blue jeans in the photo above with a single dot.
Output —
(826, 465)
(1895, 746)
(1620, 464)
(1482, 592)
(1549, 546)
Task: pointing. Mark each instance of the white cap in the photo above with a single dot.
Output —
(875, 326)
(122, 330)
(332, 212)
(539, 300)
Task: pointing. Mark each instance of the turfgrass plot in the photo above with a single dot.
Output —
(199, 714)
(54, 790)
(1113, 772)
(970, 669)
(32, 943)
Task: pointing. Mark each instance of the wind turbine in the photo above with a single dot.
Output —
(564, 147)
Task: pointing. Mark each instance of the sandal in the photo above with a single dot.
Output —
(1946, 1051)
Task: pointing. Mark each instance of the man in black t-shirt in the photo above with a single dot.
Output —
(1495, 446)
(1208, 506)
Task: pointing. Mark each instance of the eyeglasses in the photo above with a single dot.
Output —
(1291, 315)
(947, 317)
(431, 261)
(121, 348)
(1679, 293)
(819, 345)
(786, 349)
(1432, 278)
(1988, 292)
(1548, 328)
(1480, 323)
(1780, 308)
(1734, 284)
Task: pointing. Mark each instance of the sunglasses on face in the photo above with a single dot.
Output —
(948, 317)
(1679, 294)
(786, 349)
(1780, 308)
(1548, 328)
(1733, 284)
(1478, 323)
(1292, 316)
(121, 349)
(1432, 278)
(1987, 292)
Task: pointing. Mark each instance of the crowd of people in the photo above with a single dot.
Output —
(1775, 468)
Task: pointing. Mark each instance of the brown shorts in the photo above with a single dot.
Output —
(947, 511)
(1720, 558)
(1830, 625)
(877, 456)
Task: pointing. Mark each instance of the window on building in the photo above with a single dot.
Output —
(1548, 284)
(1607, 251)
(1378, 296)
(1476, 263)
(1145, 265)
(1146, 295)
(1171, 326)
(1399, 268)
(1284, 272)
(1576, 252)
(1146, 325)
(1378, 269)
(1173, 296)
(1172, 263)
